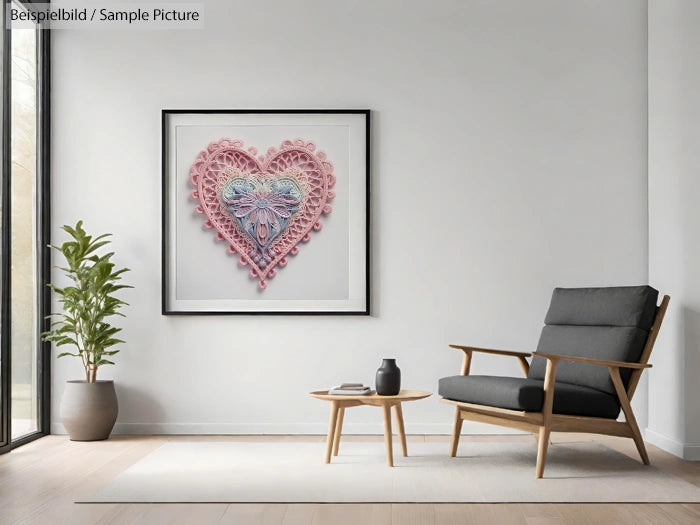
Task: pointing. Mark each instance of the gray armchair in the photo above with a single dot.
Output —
(594, 346)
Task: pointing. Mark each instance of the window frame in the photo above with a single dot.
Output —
(43, 236)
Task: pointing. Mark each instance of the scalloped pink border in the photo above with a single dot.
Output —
(228, 153)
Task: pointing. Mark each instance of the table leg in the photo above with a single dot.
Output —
(331, 430)
(400, 428)
(338, 430)
(387, 435)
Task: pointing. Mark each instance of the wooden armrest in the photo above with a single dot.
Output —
(491, 351)
(603, 362)
(468, 356)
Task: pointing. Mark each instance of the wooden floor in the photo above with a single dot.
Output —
(40, 481)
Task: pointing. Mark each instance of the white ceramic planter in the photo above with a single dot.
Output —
(89, 410)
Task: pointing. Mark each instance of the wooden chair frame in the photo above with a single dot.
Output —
(543, 423)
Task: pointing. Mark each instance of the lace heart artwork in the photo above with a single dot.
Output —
(262, 206)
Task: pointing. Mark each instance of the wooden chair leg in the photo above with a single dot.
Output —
(629, 414)
(542, 445)
(547, 405)
(457, 428)
(456, 431)
(536, 437)
(338, 430)
(639, 442)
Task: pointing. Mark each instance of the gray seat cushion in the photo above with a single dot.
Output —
(525, 394)
(600, 323)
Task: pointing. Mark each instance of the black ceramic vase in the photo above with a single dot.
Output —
(388, 382)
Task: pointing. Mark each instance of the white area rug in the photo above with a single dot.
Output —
(295, 473)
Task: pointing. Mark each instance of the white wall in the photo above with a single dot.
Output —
(509, 156)
(674, 221)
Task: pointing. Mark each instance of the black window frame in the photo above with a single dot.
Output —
(43, 234)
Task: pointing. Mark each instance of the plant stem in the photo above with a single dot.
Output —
(79, 340)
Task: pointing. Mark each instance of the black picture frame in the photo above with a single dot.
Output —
(359, 304)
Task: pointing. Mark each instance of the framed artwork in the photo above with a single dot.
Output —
(265, 211)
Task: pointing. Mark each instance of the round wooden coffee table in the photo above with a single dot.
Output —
(340, 403)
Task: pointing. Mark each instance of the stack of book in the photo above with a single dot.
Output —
(350, 389)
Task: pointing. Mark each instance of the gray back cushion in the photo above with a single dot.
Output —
(614, 306)
(600, 323)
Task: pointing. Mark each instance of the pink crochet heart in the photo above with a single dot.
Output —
(262, 206)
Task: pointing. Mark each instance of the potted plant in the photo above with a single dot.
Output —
(89, 406)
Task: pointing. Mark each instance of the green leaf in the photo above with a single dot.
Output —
(70, 230)
(66, 341)
(111, 342)
(90, 301)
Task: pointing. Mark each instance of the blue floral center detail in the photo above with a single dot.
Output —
(262, 208)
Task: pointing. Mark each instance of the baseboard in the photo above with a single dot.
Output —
(689, 451)
(288, 428)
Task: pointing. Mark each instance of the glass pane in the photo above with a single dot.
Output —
(23, 232)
